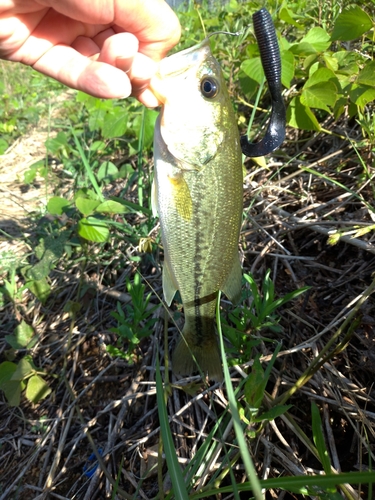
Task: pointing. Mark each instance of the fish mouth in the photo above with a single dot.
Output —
(181, 61)
(177, 64)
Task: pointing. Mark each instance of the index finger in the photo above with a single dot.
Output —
(153, 22)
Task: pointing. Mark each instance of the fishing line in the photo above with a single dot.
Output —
(237, 33)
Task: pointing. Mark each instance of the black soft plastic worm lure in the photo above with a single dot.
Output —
(271, 62)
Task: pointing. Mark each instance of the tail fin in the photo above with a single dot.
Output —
(207, 358)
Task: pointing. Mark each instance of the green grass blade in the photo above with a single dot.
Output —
(86, 164)
(170, 452)
(246, 457)
(299, 484)
(319, 438)
(140, 158)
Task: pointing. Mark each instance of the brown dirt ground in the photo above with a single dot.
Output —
(289, 214)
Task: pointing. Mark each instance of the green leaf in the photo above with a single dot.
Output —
(322, 96)
(107, 172)
(92, 229)
(253, 69)
(367, 75)
(40, 288)
(24, 369)
(318, 38)
(319, 75)
(49, 250)
(287, 68)
(37, 389)
(300, 116)
(255, 385)
(351, 24)
(12, 390)
(111, 207)
(58, 143)
(115, 123)
(21, 337)
(86, 206)
(303, 49)
(361, 95)
(56, 205)
(97, 146)
(331, 62)
(7, 368)
(287, 15)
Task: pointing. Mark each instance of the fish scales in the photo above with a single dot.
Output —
(197, 194)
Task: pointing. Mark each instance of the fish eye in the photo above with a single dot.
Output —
(209, 87)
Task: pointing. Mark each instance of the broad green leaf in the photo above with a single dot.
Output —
(303, 49)
(7, 368)
(86, 193)
(253, 69)
(331, 62)
(287, 68)
(107, 172)
(92, 229)
(322, 96)
(33, 170)
(21, 337)
(125, 170)
(361, 95)
(300, 116)
(248, 86)
(12, 390)
(351, 24)
(97, 146)
(49, 251)
(58, 143)
(86, 206)
(321, 75)
(367, 75)
(318, 38)
(311, 62)
(37, 389)
(111, 207)
(115, 123)
(40, 288)
(24, 369)
(56, 205)
(287, 15)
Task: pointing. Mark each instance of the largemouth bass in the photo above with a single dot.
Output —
(198, 195)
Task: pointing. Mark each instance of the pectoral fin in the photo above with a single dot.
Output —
(169, 285)
(232, 287)
(181, 196)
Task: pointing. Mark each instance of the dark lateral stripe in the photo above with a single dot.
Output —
(199, 301)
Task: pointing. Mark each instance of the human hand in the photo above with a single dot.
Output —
(106, 48)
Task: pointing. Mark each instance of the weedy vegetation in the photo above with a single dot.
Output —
(88, 408)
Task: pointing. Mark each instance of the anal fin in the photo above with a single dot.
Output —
(169, 285)
(232, 287)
